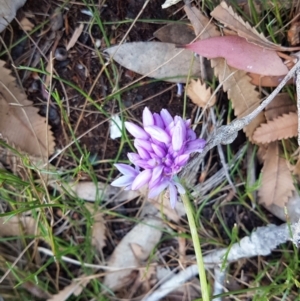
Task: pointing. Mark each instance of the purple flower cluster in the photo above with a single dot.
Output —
(163, 145)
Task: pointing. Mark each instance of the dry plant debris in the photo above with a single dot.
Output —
(16, 112)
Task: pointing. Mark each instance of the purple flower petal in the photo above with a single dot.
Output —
(158, 150)
(144, 144)
(179, 134)
(136, 131)
(158, 188)
(156, 175)
(181, 160)
(123, 181)
(147, 117)
(143, 164)
(173, 195)
(195, 146)
(133, 157)
(158, 134)
(166, 117)
(143, 153)
(142, 179)
(180, 188)
(158, 121)
(126, 170)
(191, 135)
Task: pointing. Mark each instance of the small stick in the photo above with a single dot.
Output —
(298, 101)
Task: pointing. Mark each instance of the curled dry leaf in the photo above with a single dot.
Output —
(241, 55)
(200, 94)
(75, 288)
(277, 183)
(20, 122)
(225, 14)
(146, 234)
(99, 227)
(159, 60)
(283, 127)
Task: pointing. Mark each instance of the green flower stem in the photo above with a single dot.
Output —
(197, 246)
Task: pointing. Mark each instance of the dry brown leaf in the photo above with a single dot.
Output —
(176, 33)
(20, 122)
(225, 14)
(99, 227)
(146, 234)
(277, 183)
(201, 23)
(243, 95)
(167, 62)
(76, 34)
(26, 25)
(281, 104)
(283, 127)
(75, 288)
(236, 83)
(200, 94)
(17, 226)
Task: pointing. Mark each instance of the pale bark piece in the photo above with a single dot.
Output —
(17, 226)
(283, 127)
(20, 122)
(225, 14)
(176, 33)
(8, 9)
(281, 104)
(146, 234)
(154, 59)
(98, 228)
(243, 95)
(200, 94)
(241, 55)
(277, 183)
